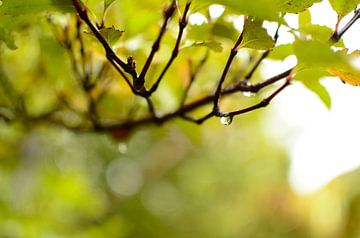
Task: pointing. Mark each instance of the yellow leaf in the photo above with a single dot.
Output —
(352, 78)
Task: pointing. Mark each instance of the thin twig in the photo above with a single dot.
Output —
(232, 55)
(182, 111)
(168, 13)
(193, 74)
(338, 34)
(110, 54)
(265, 102)
(175, 52)
(262, 57)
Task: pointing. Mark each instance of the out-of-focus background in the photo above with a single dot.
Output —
(271, 173)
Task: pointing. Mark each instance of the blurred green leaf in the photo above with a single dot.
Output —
(280, 52)
(304, 19)
(317, 54)
(212, 45)
(310, 78)
(7, 38)
(263, 9)
(18, 7)
(199, 32)
(224, 29)
(15, 12)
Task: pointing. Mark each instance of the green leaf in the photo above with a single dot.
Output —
(304, 19)
(225, 30)
(263, 9)
(280, 52)
(212, 45)
(7, 38)
(199, 32)
(310, 78)
(317, 32)
(17, 7)
(317, 54)
(296, 6)
(107, 3)
(256, 37)
(13, 13)
(343, 7)
(111, 35)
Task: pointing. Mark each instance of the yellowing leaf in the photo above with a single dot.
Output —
(352, 78)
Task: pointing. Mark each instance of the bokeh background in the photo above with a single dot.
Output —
(177, 180)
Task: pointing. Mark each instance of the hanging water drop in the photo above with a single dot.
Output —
(248, 94)
(226, 120)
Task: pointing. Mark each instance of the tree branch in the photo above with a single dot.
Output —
(175, 52)
(168, 13)
(110, 54)
(339, 33)
(232, 55)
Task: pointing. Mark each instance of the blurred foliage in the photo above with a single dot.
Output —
(179, 180)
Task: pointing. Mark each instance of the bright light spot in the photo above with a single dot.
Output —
(238, 23)
(122, 147)
(216, 10)
(124, 177)
(161, 198)
(322, 144)
(197, 19)
(318, 17)
(292, 20)
(356, 62)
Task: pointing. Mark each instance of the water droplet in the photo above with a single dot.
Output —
(226, 120)
(122, 147)
(249, 94)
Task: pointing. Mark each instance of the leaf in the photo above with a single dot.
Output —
(225, 30)
(343, 7)
(111, 34)
(212, 45)
(13, 13)
(317, 54)
(18, 7)
(310, 78)
(263, 9)
(350, 77)
(297, 6)
(7, 38)
(256, 37)
(280, 52)
(304, 19)
(199, 32)
(317, 32)
(107, 3)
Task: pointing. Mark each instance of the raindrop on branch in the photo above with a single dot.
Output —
(226, 120)
(248, 94)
